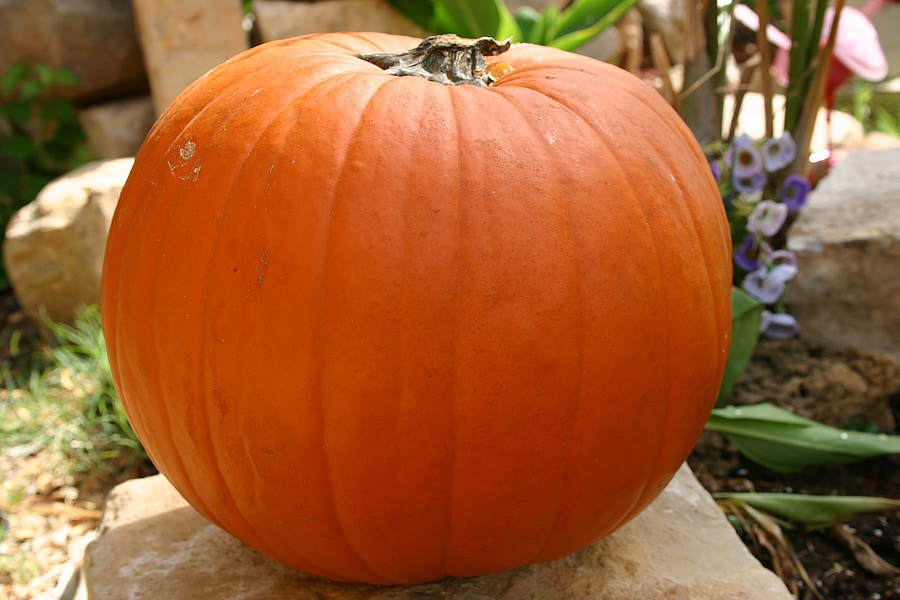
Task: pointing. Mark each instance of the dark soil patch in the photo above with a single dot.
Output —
(844, 388)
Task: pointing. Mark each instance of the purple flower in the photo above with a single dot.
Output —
(767, 218)
(778, 326)
(794, 192)
(744, 158)
(748, 255)
(716, 167)
(782, 257)
(750, 183)
(778, 153)
(766, 285)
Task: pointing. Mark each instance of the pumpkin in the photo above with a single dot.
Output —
(388, 325)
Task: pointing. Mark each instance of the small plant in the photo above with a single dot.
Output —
(568, 28)
(762, 201)
(67, 407)
(40, 137)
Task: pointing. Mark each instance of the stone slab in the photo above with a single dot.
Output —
(154, 545)
(183, 39)
(279, 19)
(847, 241)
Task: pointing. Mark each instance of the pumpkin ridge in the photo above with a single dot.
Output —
(452, 478)
(607, 142)
(562, 207)
(318, 343)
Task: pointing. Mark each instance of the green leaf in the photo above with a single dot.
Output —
(475, 18)
(31, 88)
(782, 441)
(812, 511)
(44, 74)
(420, 12)
(745, 318)
(65, 76)
(18, 112)
(528, 20)
(18, 147)
(615, 10)
(13, 78)
(58, 110)
(584, 14)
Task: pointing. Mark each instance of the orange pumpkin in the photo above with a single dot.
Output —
(386, 329)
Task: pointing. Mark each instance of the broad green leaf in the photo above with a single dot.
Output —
(745, 317)
(782, 441)
(544, 32)
(576, 39)
(476, 18)
(810, 510)
(528, 21)
(584, 14)
(420, 12)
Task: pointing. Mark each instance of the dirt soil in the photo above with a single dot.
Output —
(52, 522)
(840, 387)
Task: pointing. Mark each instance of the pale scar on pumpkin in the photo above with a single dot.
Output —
(182, 165)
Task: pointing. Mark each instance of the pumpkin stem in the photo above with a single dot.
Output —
(447, 59)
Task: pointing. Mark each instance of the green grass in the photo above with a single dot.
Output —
(65, 406)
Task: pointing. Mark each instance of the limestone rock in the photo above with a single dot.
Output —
(117, 129)
(847, 240)
(94, 38)
(279, 19)
(54, 246)
(183, 39)
(153, 545)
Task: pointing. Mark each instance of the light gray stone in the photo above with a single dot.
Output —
(54, 245)
(153, 545)
(94, 38)
(183, 39)
(280, 19)
(117, 129)
(847, 240)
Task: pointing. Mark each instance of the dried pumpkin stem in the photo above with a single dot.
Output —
(447, 59)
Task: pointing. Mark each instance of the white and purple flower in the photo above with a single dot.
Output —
(778, 326)
(778, 153)
(767, 218)
(767, 285)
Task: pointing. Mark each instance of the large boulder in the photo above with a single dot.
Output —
(847, 241)
(94, 38)
(53, 251)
